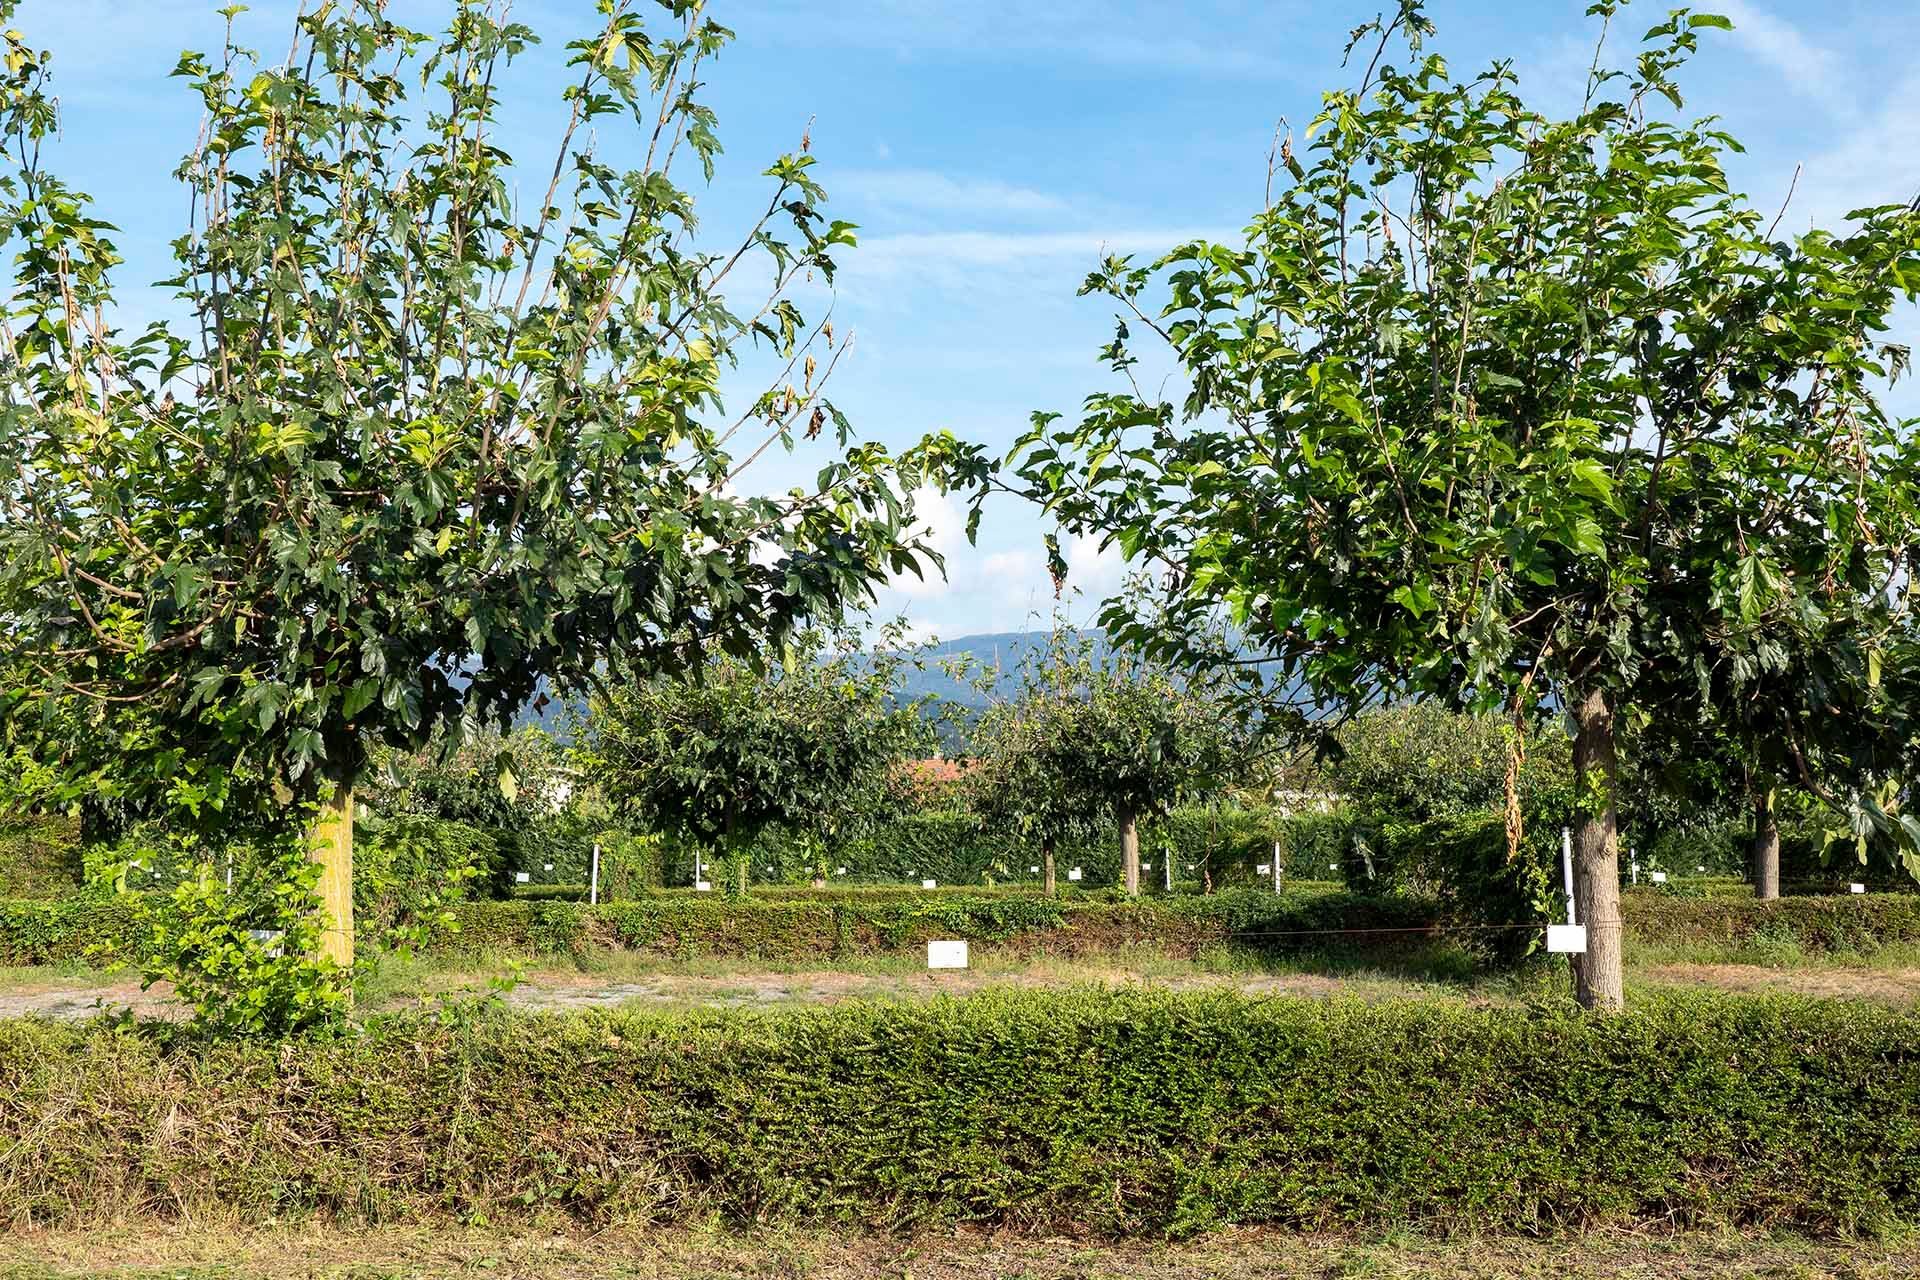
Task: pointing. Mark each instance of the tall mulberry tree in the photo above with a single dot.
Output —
(419, 442)
(1522, 412)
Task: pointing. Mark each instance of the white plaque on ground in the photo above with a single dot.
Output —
(1856, 888)
(521, 877)
(1659, 877)
(946, 955)
(1074, 874)
(1567, 939)
(702, 886)
(927, 884)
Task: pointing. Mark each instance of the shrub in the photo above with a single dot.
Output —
(39, 856)
(408, 869)
(1128, 1113)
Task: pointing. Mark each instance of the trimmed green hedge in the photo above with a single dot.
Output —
(1850, 922)
(845, 924)
(1125, 1113)
(805, 925)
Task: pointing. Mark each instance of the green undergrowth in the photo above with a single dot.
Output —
(1115, 1113)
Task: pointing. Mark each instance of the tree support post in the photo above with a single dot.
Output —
(333, 850)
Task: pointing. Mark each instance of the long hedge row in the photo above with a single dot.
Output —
(1118, 1113)
(812, 926)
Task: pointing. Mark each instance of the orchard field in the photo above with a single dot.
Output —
(465, 809)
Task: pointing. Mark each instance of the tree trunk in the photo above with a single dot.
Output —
(333, 850)
(1597, 978)
(1047, 881)
(1129, 823)
(1765, 850)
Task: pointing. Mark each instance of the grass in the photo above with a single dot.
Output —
(203, 1252)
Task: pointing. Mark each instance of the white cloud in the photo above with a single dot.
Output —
(940, 522)
(1812, 71)
(929, 190)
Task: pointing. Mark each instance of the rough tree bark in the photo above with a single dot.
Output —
(1597, 979)
(1047, 880)
(1764, 853)
(333, 850)
(1129, 823)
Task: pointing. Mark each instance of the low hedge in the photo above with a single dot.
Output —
(847, 924)
(808, 925)
(1119, 1113)
(1849, 922)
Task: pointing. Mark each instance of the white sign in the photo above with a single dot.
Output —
(1146, 866)
(927, 884)
(1856, 888)
(1263, 868)
(842, 871)
(549, 866)
(1189, 866)
(1333, 866)
(1659, 877)
(1033, 871)
(521, 877)
(702, 886)
(946, 955)
(1703, 866)
(1567, 939)
(1074, 874)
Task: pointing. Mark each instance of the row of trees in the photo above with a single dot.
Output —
(1518, 413)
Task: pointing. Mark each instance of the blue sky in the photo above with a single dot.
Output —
(989, 149)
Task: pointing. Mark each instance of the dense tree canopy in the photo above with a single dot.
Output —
(723, 753)
(1517, 411)
(418, 443)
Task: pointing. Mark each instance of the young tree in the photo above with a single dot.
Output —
(1515, 411)
(725, 752)
(419, 443)
(1100, 733)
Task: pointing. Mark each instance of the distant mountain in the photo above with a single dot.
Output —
(1002, 652)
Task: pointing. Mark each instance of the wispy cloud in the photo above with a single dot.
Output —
(1809, 69)
(925, 190)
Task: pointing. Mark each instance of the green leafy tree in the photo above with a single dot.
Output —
(725, 753)
(419, 443)
(1095, 731)
(1517, 411)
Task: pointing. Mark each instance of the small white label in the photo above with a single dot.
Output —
(521, 877)
(1264, 868)
(946, 955)
(1033, 871)
(1146, 866)
(1856, 888)
(1567, 939)
(927, 884)
(1703, 866)
(842, 871)
(1659, 877)
(549, 866)
(702, 886)
(1074, 874)
(1333, 866)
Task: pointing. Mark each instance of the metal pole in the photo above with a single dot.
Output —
(593, 879)
(1566, 869)
(1276, 866)
(1633, 865)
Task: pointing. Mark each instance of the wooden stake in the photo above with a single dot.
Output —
(333, 850)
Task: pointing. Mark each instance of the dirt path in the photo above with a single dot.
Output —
(560, 989)
(583, 991)
(1893, 986)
